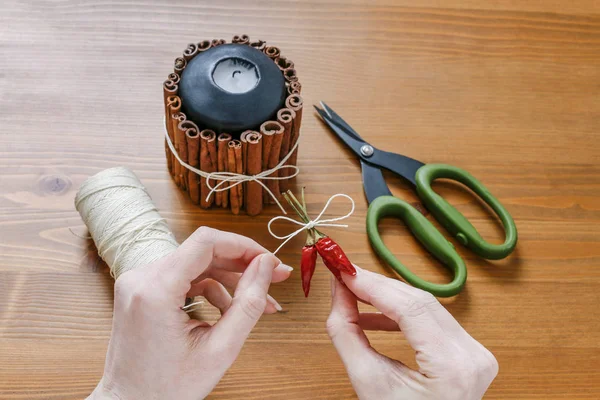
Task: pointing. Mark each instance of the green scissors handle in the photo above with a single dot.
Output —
(454, 221)
(426, 233)
(430, 237)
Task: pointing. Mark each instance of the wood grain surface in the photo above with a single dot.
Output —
(509, 90)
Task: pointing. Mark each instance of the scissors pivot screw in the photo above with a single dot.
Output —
(366, 150)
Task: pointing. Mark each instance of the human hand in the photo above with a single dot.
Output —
(156, 351)
(452, 365)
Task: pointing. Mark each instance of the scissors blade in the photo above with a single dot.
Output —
(348, 138)
(403, 166)
(373, 182)
(333, 116)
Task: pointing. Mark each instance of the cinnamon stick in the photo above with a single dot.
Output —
(174, 77)
(272, 52)
(170, 88)
(294, 87)
(193, 148)
(244, 140)
(294, 102)
(285, 117)
(203, 45)
(208, 163)
(190, 51)
(258, 44)
(173, 107)
(179, 65)
(234, 150)
(217, 42)
(172, 101)
(182, 149)
(241, 39)
(222, 198)
(239, 170)
(290, 75)
(272, 132)
(254, 190)
(284, 63)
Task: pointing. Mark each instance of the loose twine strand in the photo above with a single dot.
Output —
(232, 179)
(311, 223)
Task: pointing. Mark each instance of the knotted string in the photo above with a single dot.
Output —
(312, 223)
(227, 177)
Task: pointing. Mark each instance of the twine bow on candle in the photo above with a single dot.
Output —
(312, 223)
(228, 177)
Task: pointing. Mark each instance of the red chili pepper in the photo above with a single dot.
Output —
(334, 257)
(307, 266)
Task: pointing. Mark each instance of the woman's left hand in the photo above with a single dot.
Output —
(156, 351)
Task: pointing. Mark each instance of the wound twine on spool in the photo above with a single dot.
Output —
(122, 220)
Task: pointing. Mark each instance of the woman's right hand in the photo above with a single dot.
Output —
(452, 365)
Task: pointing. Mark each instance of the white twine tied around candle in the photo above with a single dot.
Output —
(312, 223)
(231, 179)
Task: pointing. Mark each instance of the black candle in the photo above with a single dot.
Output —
(231, 88)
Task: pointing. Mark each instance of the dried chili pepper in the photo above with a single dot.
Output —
(307, 266)
(333, 256)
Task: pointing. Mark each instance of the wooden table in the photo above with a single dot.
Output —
(507, 90)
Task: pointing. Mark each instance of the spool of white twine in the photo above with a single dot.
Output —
(122, 220)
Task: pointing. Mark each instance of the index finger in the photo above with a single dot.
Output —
(206, 247)
(425, 323)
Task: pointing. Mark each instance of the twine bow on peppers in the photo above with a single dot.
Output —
(310, 224)
(332, 254)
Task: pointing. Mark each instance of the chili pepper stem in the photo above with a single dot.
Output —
(290, 196)
(300, 213)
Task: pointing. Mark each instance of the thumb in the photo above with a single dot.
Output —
(343, 328)
(248, 304)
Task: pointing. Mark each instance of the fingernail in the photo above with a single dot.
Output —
(274, 302)
(287, 267)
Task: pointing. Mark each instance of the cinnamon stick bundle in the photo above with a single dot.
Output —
(193, 149)
(254, 191)
(285, 117)
(294, 102)
(190, 51)
(272, 132)
(258, 44)
(284, 63)
(241, 39)
(208, 163)
(180, 64)
(272, 52)
(222, 198)
(234, 164)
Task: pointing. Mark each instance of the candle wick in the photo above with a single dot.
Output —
(234, 72)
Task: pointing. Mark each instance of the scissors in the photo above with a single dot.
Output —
(382, 204)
